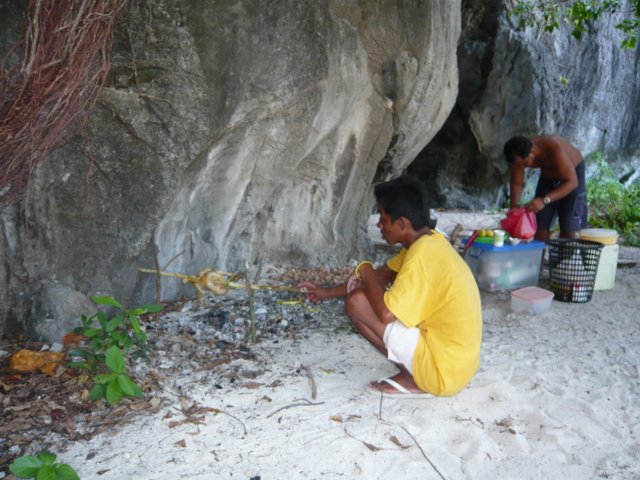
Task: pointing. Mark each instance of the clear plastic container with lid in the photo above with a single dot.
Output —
(506, 267)
(531, 300)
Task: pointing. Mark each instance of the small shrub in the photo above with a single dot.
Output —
(122, 330)
(42, 467)
(611, 204)
(115, 384)
(108, 345)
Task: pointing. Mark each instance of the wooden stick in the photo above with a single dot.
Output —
(314, 391)
(195, 279)
(307, 404)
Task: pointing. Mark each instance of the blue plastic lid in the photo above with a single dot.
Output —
(532, 245)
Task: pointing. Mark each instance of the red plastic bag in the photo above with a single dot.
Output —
(520, 223)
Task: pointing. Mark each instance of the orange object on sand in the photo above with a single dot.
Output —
(29, 361)
(72, 339)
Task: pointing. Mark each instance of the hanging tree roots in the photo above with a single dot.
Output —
(49, 82)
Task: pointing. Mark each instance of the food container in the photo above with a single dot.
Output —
(601, 235)
(506, 267)
(531, 300)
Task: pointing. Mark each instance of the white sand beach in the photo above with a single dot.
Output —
(556, 397)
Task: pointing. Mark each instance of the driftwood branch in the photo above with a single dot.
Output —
(312, 382)
(302, 402)
(424, 454)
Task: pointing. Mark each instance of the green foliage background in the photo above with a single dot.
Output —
(611, 204)
(580, 15)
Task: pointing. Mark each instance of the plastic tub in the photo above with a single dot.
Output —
(531, 300)
(507, 267)
(601, 235)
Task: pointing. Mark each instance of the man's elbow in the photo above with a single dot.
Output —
(572, 184)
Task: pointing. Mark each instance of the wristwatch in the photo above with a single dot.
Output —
(546, 200)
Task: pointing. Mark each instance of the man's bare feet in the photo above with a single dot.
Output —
(402, 378)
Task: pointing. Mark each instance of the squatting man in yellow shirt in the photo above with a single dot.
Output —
(422, 308)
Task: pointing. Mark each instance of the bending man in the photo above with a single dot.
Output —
(561, 188)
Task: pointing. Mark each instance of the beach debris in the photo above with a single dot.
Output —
(301, 402)
(312, 382)
(370, 446)
(252, 385)
(193, 413)
(507, 425)
(339, 419)
(29, 361)
(51, 410)
(72, 339)
(393, 439)
(424, 454)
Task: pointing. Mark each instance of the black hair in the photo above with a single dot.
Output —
(517, 146)
(405, 196)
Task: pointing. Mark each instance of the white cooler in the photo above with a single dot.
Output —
(608, 263)
(607, 266)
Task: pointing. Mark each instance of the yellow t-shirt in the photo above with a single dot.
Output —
(435, 291)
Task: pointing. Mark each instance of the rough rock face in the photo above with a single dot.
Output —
(228, 135)
(530, 83)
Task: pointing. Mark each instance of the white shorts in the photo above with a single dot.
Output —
(401, 343)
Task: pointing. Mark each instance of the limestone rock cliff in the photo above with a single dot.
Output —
(529, 82)
(229, 135)
(226, 136)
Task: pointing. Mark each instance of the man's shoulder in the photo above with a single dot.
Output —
(432, 245)
(549, 141)
(552, 143)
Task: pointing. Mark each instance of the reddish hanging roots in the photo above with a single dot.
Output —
(65, 59)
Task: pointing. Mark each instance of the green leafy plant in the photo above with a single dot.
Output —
(110, 341)
(579, 14)
(42, 467)
(115, 384)
(611, 204)
(122, 330)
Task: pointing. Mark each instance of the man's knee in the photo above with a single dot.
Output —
(543, 235)
(354, 303)
(569, 235)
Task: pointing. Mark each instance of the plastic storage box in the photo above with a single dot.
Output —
(506, 267)
(531, 300)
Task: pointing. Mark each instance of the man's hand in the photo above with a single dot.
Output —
(535, 205)
(353, 283)
(313, 291)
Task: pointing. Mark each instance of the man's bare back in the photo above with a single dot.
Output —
(553, 155)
